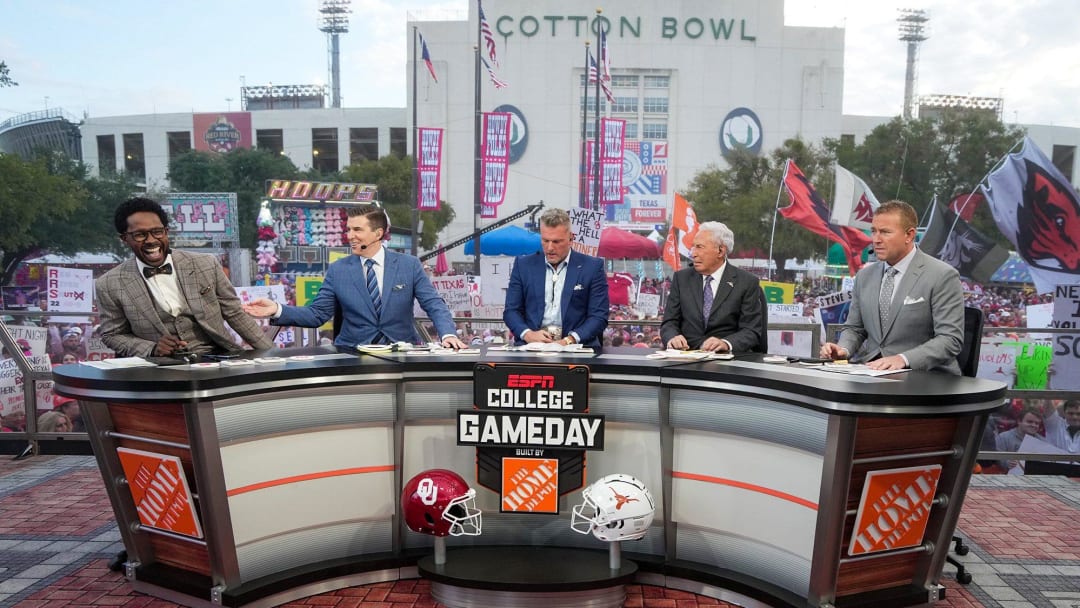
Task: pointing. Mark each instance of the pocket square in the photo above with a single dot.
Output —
(398, 287)
(910, 300)
(579, 287)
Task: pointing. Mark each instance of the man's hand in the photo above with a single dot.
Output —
(678, 343)
(453, 342)
(714, 345)
(261, 308)
(833, 351)
(167, 345)
(893, 362)
(539, 335)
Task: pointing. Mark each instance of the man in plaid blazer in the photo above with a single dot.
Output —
(165, 301)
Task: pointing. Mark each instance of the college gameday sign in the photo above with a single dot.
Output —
(531, 427)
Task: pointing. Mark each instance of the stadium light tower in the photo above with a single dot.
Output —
(912, 31)
(334, 20)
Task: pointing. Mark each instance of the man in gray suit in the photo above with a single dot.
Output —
(733, 318)
(906, 311)
(165, 301)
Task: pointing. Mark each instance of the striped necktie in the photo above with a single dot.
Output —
(373, 287)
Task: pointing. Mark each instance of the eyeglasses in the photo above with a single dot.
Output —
(141, 235)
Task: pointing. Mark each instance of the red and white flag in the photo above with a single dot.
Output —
(853, 202)
(809, 210)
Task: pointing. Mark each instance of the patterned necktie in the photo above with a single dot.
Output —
(885, 301)
(150, 271)
(373, 287)
(706, 304)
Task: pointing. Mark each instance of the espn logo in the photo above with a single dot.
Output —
(529, 381)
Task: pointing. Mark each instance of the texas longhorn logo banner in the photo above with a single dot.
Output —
(894, 509)
(494, 162)
(429, 166)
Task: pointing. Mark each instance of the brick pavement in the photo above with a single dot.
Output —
(57, 534)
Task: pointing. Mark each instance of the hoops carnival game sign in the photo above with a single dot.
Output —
(531, 426)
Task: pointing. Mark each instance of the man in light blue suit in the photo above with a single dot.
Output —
(374, 289)
(557, 294)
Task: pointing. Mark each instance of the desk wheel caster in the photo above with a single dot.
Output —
(959, 547)
(116, 564)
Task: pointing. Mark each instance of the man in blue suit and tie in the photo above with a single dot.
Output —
(374, 289)
(557, 294)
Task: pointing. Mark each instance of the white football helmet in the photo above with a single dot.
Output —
(621, 509)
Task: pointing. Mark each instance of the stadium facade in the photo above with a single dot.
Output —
(693, 79)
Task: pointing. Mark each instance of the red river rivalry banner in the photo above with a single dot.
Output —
(221, 131)
(531, 426)
(612, 131)
(428, 167)
(494, 162)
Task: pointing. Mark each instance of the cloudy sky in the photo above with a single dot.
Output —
(116, 57)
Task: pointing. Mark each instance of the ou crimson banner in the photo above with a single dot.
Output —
(428, 168)
(494, 162)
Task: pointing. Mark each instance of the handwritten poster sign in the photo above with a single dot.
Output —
(70, 289)
(586, 225)
(1033, 366)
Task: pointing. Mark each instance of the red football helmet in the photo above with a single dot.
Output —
(440, 503)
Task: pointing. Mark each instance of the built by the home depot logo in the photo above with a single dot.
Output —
(894, 509)
(530, 425)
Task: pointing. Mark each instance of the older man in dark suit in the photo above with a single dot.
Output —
(164, 301)
(713, 306)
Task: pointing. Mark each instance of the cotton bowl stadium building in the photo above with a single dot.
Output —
(692, 79)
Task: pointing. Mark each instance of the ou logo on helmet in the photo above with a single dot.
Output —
(740, 130)
(427, 491)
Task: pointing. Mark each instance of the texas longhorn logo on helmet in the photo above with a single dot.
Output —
(1049, 223)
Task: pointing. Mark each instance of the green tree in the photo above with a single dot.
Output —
(243, 171)
(38, 212)
(5, 76)
(392, 175)
(744, 196)
(945, 156)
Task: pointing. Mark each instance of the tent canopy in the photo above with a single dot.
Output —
(616, 243)
(509, 240)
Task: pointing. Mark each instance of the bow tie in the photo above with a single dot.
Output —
(149, 271)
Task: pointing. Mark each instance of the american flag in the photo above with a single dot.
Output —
(427, 57)
(605, 84)
(605, 60)
(499, 84)
(489, 40)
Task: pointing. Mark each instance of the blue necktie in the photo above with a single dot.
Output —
(373, 287)
(706, 305)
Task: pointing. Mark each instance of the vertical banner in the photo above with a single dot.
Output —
(612, 131)
(70, 289)
(494, 162)
(428, 167)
